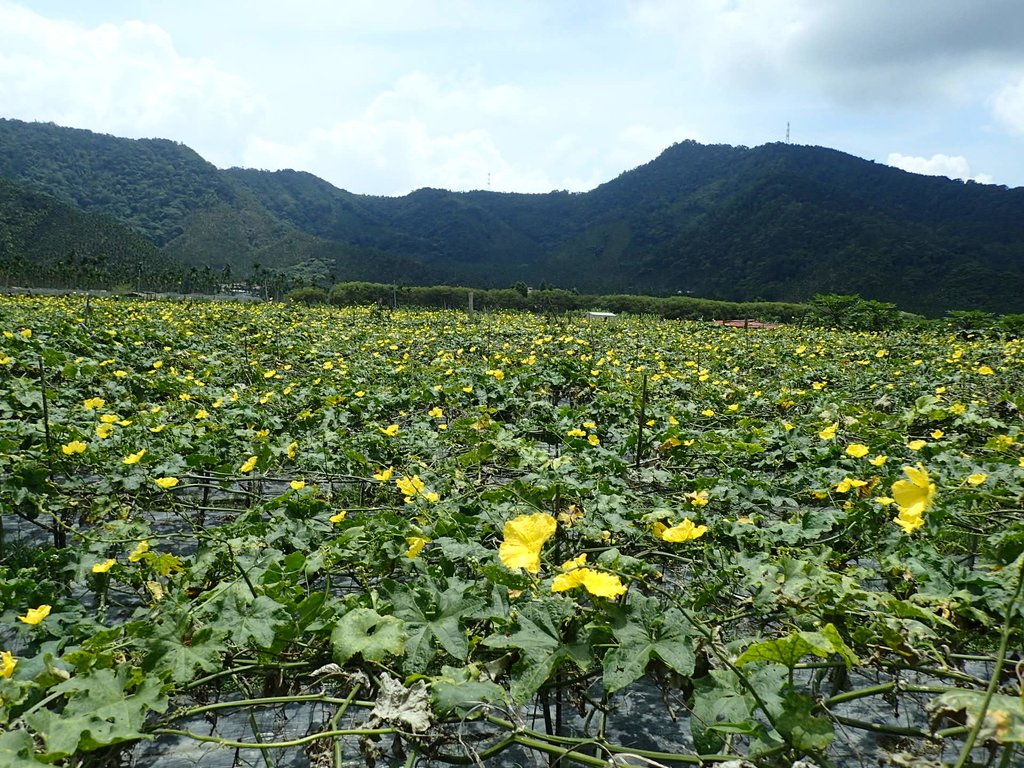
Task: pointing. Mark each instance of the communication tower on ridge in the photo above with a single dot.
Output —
(787, 131)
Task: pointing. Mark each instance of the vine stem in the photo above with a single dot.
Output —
(997, 672)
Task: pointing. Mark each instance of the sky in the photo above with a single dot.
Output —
(388, 96)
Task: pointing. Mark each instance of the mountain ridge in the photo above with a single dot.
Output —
(774, 222)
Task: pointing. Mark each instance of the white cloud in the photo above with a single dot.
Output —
(1008, 106)
(954, 167)
(125, 79)
(423, 131)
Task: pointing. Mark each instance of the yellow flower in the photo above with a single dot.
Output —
(103, 430)
(707, 412)
(467, 390)
(685, 531)
(914, 495)
(917, 445)
(103, 567)
(410, 486)
(297, 485)
(140, 549)
(338, 517)
(133, 458)
(523, 538)
(937, 434)
(166, 482)
(857, 450)
(7, 664)
(878, 460)
(435, 413)
(383, 475)
(360, 393)
(984, 370)
(293, 449)
(108, 418)
(26, 333)
(248, 465)
(828, 432)
(977, 478)
(202, 413)
(848, 483)
(593, 439)
(576, 432)
(699, 499)
(908, 521)
(416, 545)
(120, 374)
(269, 374)
(75, 446)
(498, 374)
(35, 615)
(94, 402)
(595, 582)
(391, 430)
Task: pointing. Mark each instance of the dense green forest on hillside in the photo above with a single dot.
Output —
(777, 222)
(44, 241)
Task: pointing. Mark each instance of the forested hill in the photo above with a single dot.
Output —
(776, 222)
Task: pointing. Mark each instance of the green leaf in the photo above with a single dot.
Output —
(460, 690)
(16, 749)
(203, 650)
(539, 637)
(801, 727)
(431, 616)
(646, 631)
(366, 632)
(244, 619)
(788, 650)
(100, 712)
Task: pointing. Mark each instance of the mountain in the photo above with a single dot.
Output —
(44, 241)
(775, 222)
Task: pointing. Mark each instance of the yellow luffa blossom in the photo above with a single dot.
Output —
(917, 445)
(103, 431)
(523, 538)
(140, 549)
(984, 370)
(913, 497)
(248, 465)
(93, 403)
(699, 498)
(7, 664)
(416, 545)
(828, 432)
(338, 517)
(103, 567)
(297, 485)
(109, 418)
(35, 615)
(685, 531)
(383, 475)
(856, 450)
(977, 478)
(166, 482)
(593, 440)
(134, 458)
(391, 430)
(598, 583)
(75, 446)
(410, 486)
(435, 413)
(878, 460)
(293, 449)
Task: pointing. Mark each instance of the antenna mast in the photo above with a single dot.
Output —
(787, 131)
